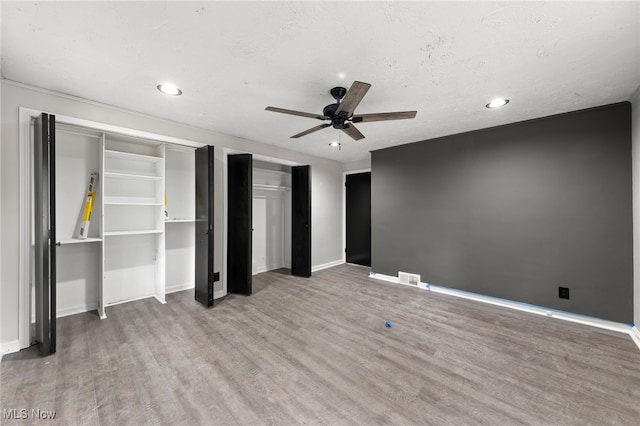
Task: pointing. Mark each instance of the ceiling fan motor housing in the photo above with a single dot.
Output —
(337, 120)
(330, 110)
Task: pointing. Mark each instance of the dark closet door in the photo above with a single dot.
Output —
(239, 223)
(301, 221)
(359, 218)
(204, 226)
(45, 232)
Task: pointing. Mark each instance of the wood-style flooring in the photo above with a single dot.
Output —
(316, 351)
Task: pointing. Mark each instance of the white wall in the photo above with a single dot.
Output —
(635, 155)
(326, 188)
(364, 164)
(325, 174)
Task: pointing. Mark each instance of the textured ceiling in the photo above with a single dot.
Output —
(232, 59)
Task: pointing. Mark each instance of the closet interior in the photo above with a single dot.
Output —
(271, 219)
(141, 234)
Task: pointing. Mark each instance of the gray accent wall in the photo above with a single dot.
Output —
(635, 155)
(515, 211)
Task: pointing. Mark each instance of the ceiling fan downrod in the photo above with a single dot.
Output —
(338, 93)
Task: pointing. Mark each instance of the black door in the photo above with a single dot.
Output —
(204, 226)
(45, 232)
(359, 218)
(301, 221)
(239, 223)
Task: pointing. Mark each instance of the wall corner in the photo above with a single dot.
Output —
(635, 167)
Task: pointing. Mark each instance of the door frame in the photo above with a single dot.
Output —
(25, 185)
(344, 208)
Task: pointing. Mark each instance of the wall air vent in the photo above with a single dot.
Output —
(407, 278)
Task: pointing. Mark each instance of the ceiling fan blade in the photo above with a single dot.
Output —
(383, 116)
(351, 130)
(300, 113)
(352, 99)
(311, 130)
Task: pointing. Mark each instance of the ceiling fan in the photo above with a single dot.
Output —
(341, 114)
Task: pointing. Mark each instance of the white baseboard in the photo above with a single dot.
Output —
(120, 302)
(190, 286)
(266, 268)
(539, 310)
(179, 287)
(327, 265)
(9, 347)
(78, 309)
(635, 335)
(313, 268)
(384, 277)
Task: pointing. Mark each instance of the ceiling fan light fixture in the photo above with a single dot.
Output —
(497, 103)
(169, 89)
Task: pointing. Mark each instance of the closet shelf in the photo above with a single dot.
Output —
(141, 232)
(131, 156)
(68, 241)
(271, 187)
(131, 203)
(179, 220)
(129, 176)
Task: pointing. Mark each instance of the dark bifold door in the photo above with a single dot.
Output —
(358, 206)
(204, 226)
(239, 223)
(45, 233)
(301, 221)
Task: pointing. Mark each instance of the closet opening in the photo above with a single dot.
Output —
(267, 219)
(96, 225)
(271, 194)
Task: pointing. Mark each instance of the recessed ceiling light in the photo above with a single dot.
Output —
(497, 103)
(169, 89)
(341, 76)
(334, 144)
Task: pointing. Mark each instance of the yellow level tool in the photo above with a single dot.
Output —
(88, 208)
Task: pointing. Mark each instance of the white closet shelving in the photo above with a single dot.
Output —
(134, 249)
(133, 191)
(133, 218)
(180, 219)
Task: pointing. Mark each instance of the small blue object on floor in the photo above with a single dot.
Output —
(387, 324)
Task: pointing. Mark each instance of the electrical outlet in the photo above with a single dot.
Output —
(563, 292)
(216, 276)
